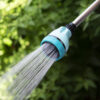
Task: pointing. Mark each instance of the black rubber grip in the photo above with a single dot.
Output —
(71, 27)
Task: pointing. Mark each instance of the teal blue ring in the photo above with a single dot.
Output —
(53, 40)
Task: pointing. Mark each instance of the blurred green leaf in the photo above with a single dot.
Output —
(7, 41)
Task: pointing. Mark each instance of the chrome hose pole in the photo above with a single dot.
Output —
(82, 17)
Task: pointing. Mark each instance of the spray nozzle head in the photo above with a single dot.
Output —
(60, 39)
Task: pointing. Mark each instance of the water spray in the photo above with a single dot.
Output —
(24, 77)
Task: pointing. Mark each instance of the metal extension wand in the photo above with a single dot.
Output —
(82, 17)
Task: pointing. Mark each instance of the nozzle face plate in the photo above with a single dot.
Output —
(54, 41)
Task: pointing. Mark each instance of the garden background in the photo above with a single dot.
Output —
(24, 23)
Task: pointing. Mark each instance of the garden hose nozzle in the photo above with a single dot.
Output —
(60, 37)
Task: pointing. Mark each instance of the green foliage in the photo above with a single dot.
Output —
(23, 24)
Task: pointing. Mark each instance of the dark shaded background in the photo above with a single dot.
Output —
(24, 23)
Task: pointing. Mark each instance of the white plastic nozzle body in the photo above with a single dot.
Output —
(60, 39)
